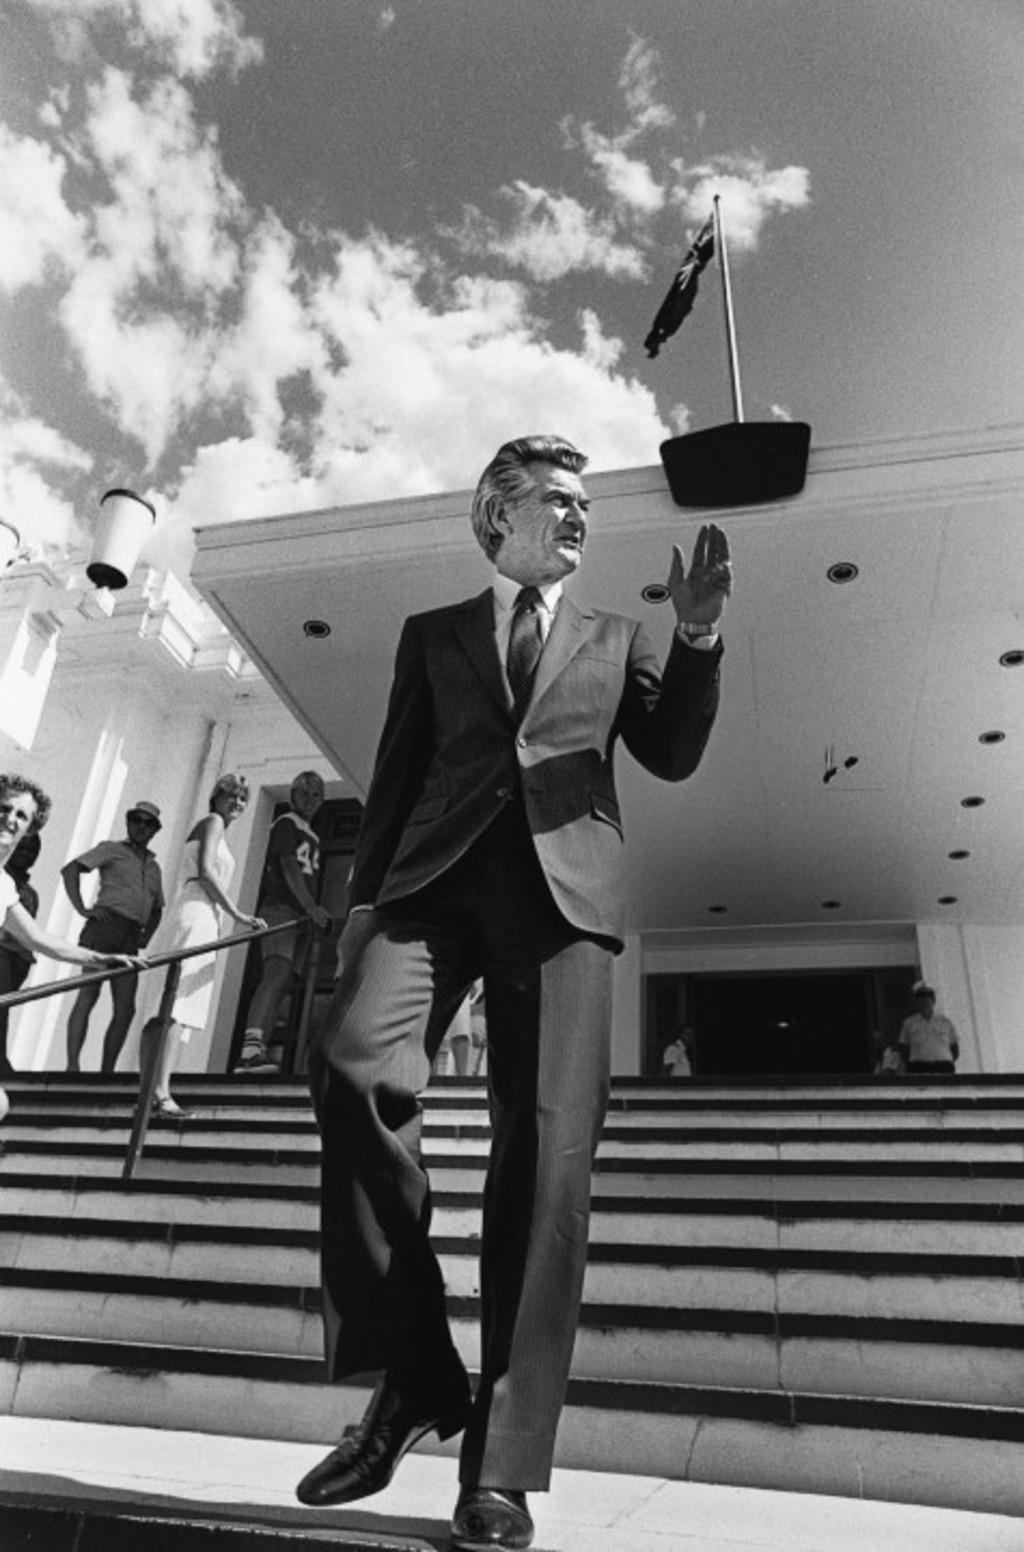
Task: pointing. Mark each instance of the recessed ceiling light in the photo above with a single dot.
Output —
(958, 856)
(655, 593)
(717, 910)
(947, 899)
(994, 737)
(831, 905)
(1013, 659)
(972, 802)
(843, 571)
(318, 629)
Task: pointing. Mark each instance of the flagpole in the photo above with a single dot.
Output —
(730, 326)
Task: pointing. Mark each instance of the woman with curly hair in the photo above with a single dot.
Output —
(24, 809)
(199, 910)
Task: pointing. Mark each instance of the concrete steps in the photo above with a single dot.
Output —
(812, 1289)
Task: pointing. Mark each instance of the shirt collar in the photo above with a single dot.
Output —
(506, 592)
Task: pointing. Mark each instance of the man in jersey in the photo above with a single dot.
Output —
(288, 893)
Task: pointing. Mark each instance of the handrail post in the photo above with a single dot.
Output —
(150, 1054)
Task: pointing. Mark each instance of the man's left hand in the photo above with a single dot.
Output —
(699, 595)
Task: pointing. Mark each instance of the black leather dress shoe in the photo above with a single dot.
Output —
(369, 1451)
(490, 1519)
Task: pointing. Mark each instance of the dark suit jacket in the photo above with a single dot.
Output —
(450, 755)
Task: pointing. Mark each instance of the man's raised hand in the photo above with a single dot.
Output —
(699, 596)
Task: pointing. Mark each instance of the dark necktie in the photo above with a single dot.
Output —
(524, 647)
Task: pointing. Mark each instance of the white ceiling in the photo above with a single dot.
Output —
(899, 668)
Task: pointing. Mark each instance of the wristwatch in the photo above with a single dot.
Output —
(695, 628)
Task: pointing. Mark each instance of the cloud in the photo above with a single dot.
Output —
(638, 81)
(193, 38)
(550, 236)
(38, 232)
(33, 457)
(750, 192)
(436, 368)
(416, 375)
(628, 179)
(275, 338)
(260, 372)
(163, 253)
(633, 187)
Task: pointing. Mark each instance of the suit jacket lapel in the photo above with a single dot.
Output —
(474, 626)
(568, 632)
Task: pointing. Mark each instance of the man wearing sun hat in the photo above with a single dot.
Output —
(928, 1040)
(121, 920)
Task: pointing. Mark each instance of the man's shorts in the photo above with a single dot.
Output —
(293, 945)
(109, 933)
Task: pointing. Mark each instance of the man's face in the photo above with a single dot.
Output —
(141, 829)
(926, 1006)
(307, 797)
(546, 529)
(17, 811)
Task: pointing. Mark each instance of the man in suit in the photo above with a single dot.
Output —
(491, 846)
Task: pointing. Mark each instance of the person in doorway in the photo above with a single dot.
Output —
(15, 959)
(24, 810)
(491, 845)
(677, 1058)
(288, 894)
(123, 918)
(453, 1054)
(478, 1028)
(927, 1040)
(199, 911)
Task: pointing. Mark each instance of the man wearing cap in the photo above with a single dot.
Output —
(123, 918)
(927, 1040)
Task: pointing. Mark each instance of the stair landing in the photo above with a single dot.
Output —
(66, 1485)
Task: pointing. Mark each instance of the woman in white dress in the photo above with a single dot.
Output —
(199, 910)
(24, 809)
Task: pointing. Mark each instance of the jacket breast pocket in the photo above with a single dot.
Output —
(606, 809)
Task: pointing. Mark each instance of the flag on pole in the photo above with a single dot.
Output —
(683, 290)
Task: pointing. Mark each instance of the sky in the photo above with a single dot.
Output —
(275, 255)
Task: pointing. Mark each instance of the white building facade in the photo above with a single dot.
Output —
(907, 670)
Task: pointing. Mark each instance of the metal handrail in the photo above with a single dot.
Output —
(152, 962)
(160, 1023)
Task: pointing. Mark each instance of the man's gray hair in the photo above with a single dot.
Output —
(507, 479)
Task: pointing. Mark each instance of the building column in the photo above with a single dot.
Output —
(626, 1010)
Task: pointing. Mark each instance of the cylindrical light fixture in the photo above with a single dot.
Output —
(125, 521)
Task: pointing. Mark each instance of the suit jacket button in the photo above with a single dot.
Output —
(503, 793)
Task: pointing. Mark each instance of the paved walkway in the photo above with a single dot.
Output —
(584, 1512)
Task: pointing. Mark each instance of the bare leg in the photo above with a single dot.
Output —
(168, 1062)
(122, 990)
(78, 1024)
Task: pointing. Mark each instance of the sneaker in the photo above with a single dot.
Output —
(254, 1058)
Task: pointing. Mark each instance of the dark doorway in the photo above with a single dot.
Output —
(802, 1023)
(779, 1023)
